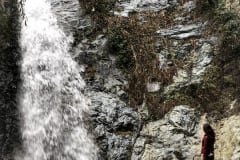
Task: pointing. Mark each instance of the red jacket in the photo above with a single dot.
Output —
(207, 147)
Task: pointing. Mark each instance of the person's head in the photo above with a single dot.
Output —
(208, 130)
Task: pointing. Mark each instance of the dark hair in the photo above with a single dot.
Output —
(209, 131)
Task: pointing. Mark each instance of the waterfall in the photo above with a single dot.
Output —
(51, 100)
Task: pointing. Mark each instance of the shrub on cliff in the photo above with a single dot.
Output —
(221, 79)
(118, 45)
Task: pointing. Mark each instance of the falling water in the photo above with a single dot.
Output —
(51, 102)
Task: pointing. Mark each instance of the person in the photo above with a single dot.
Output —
(208, 141)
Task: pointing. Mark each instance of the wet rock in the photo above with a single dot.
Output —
(70, 16)
(116, 125)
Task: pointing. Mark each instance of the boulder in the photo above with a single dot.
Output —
(171, 137)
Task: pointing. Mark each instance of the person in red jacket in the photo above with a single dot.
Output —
(208, 141)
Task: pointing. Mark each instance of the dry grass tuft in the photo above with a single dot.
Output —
(140, 33)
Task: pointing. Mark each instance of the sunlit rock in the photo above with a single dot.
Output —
(153, 87)
(228, 136)
(127, 7)
(171, 137)
(182, 31)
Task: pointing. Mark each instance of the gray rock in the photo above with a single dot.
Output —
(180, 19)
(171, 137)
(188, 35)
(189, 6)
(127, 6)
(153, 87)
(138, 148)
(182, 31)
(184, 118)
(163, 59)
(143, 112)
(119, 147)
(201, 60)
(181, 80)
(115, 124)
(69, 15)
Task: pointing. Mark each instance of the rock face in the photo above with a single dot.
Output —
(124, 133)
(142, 5)
(9, 78)
(113, 124)
(201, 61)
(116, 125)
(70, 16)
(169, 138)
(120, 131)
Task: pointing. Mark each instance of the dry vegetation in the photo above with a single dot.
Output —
(133, 41)
(139, 32)
(99, 11)
(221, 82)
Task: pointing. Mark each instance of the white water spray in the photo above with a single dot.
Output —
(51, 101)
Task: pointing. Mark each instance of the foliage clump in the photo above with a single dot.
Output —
(118, 46)
(135, 37)
(221, 82)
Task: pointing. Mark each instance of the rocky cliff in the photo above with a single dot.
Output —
(153, 69)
